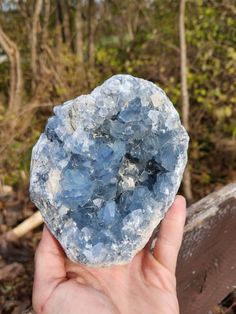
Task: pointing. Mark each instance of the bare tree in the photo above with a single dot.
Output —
(64, 18)
(131, 16)
(66, 21)
(46, 15)
(184, 92)
(34, 40)
(78, 30)
(91, 30)
(58, 27)
(16, 80)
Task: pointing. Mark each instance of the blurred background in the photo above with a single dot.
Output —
(55, 50)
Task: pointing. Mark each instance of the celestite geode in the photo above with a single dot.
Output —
(107, 168)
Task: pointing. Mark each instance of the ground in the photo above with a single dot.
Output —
(17, 259)
(16, 256)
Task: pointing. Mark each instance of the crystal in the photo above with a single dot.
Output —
(107, 168)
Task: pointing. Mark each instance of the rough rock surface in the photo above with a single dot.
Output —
(107, 168)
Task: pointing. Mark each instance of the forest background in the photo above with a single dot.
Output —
(55, 50)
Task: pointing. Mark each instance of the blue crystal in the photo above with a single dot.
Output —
(132, 113)
(108, 212)
(107, 168)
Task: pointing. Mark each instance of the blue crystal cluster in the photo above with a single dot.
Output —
(107, 168)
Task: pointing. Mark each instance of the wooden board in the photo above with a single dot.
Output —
(206, 270)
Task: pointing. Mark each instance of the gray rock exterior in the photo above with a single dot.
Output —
(107, 168)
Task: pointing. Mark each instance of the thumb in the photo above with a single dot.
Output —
(170, 234)
(49, 269)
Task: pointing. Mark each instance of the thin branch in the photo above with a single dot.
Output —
(184, 93)
(16, 80)
(27, 225)
(34, 40)
(46, 15)
(78, 30)
(183, 65)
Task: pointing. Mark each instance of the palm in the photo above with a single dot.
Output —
(146, 285)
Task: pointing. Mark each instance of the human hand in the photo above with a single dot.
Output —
(146, 285)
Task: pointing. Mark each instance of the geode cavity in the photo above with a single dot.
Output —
(107, 168)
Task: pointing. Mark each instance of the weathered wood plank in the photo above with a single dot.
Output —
(206, 270)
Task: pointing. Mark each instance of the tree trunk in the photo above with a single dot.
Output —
(58, 27)
(184, 93)
(130, 29)
(91, 30)
(34, 41)
(78, 30)
(46, 15)
(16, 80)
(66, 21)
(63, 17)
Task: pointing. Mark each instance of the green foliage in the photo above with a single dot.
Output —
(140, 38)
(211, 37)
